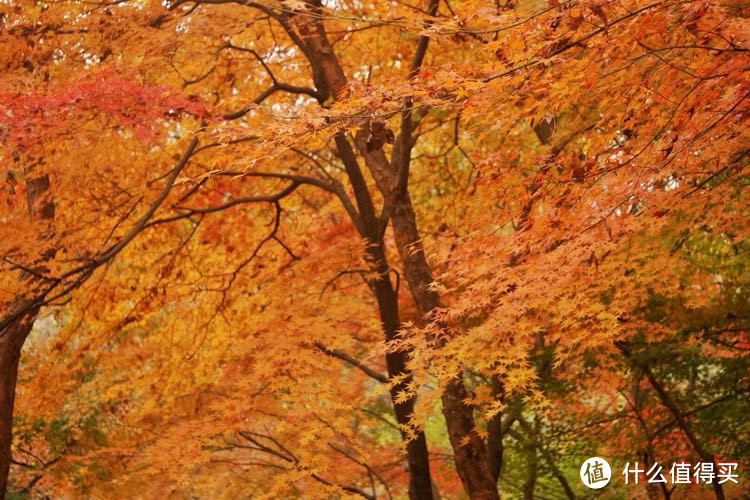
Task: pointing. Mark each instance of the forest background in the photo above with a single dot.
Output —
(328, 249)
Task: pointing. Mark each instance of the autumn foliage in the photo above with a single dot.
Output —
(293, 248)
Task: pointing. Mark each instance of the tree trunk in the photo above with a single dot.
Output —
(308, 32)
(530, 484)
(420, 483)
(469, 451)
(495, 447)
(11, 341)
(14, 330)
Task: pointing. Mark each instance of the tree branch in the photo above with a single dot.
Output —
(335, 353)
(669, 403)
(84, 271)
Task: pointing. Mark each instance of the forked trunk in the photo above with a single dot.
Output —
(470, 452)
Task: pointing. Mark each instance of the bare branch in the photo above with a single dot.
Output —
(284, 454)
(335, 353)
(369, 469)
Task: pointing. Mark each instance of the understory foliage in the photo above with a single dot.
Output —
(558, 207)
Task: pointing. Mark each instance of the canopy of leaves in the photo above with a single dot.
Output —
(579, 175)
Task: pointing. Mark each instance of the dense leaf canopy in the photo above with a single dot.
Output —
(329, 249)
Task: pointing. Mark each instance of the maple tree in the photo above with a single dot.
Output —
(323, 249)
